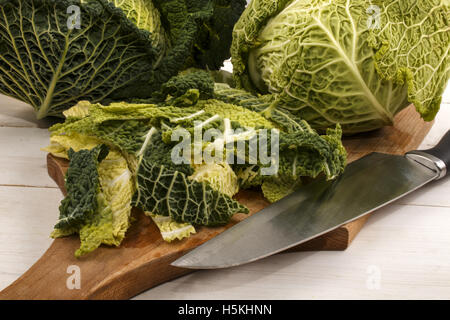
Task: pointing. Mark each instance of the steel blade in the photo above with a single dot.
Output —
(366, 185)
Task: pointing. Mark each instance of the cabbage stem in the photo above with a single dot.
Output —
(43, 110)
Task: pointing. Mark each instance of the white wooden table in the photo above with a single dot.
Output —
(402, 253)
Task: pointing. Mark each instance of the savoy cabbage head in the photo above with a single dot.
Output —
(353, 62)
(54, 53)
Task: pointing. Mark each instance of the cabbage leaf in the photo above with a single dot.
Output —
(164, 188)
(82, 185)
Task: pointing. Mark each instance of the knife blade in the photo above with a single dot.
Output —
(322, 206)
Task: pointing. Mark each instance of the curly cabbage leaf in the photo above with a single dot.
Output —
(170, 229)
(203, 27)
(122, 125)
(332, 62)
(305, 154)
(245, 118)
(302, 152)
(61, 144)
(114, 50)
(164, 188)
(192, 79)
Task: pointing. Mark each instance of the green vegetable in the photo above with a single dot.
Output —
(132, 128)
(83, 185)
(181, 195)
(302, 152)
(332, 62)
(220, 176)
(305, 154)
(179, 85)
(113, 220)
(115, 50)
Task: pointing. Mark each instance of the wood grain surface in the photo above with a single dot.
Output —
(143, 260)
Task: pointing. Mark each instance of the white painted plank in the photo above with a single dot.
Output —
(14, 113)
(435, 194)
(21, 160)
(440, 127)
(27, 216)
(406, 246)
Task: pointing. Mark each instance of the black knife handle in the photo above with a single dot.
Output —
(439, 156)
(442, 150)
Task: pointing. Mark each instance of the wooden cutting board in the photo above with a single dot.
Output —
(143, 260)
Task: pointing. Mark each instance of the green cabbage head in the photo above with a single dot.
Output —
(353, 62)
(54, 53)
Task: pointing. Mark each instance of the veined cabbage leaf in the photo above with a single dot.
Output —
(170, 229)
(164, 188)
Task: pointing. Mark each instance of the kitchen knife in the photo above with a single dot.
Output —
(322, 206)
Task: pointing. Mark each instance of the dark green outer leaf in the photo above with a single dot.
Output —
(203, 27)
(82, 185)
(171, 193)
(215, 38)
(197, 79)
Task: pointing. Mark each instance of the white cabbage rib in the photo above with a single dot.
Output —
(144, 14)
